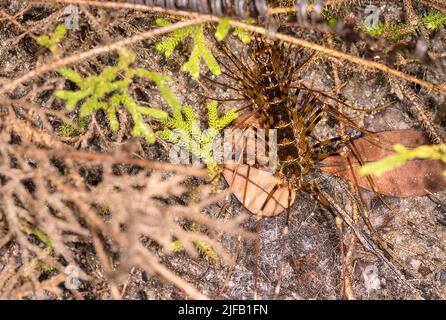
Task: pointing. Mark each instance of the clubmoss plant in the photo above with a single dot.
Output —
(110, 90)
(184, 130)
(67, 130)
(374, 31)
(52, 42)
(200, 51)
(202, 247)
(330, 16)
(43, 237)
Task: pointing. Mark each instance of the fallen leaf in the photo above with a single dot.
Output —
(259, 184)
(414, 178)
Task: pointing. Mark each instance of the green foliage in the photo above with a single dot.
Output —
(110, 90)
(400, 31)
(102, 208)
(46, 240)
(434, 19)
(374, 31)
(203, 248)
(52, 42)
(330, 16)
(43, 237)
(200, 51)
(169, 44)
(395, 32)
(437, 152)
(44, 266)
(223, 30)
(184, 130)
(67, 130)
(243, 35)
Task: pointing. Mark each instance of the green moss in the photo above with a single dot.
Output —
(222, 29)
(52, 42)
(329, 15)
(202, 247)
(434, 19)
(200, 51)
(43, 237)
(67, 130)
(102, 208)
(111, 90)
(184, 130)
(376, 31)
(399, 31)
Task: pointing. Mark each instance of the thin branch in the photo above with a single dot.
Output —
(95, 156)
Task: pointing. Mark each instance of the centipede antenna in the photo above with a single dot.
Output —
(218, 99)
(225, 85)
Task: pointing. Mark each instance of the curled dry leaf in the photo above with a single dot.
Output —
(251, 186)
(414, 178)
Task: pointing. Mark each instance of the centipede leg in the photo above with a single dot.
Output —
(341, 117)
(364, 212)
(259, 216)
(288, 212)
(256, 266)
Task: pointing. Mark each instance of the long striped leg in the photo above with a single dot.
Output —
(288, 212)
(364, 212)
(246, 72)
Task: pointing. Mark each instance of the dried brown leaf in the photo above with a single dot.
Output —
(258, 185)
(414, 178)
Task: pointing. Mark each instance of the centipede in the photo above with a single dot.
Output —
(268, 91)
(265, 84)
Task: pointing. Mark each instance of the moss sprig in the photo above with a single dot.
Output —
(399, 31)
(199, 50)
(202, 247)
(52, 42)
(224, 28)
(184, 130)
(434, 19)
(111, 90)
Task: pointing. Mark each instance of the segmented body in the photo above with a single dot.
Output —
(292, 110)
(275, 104)
(294, 120)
